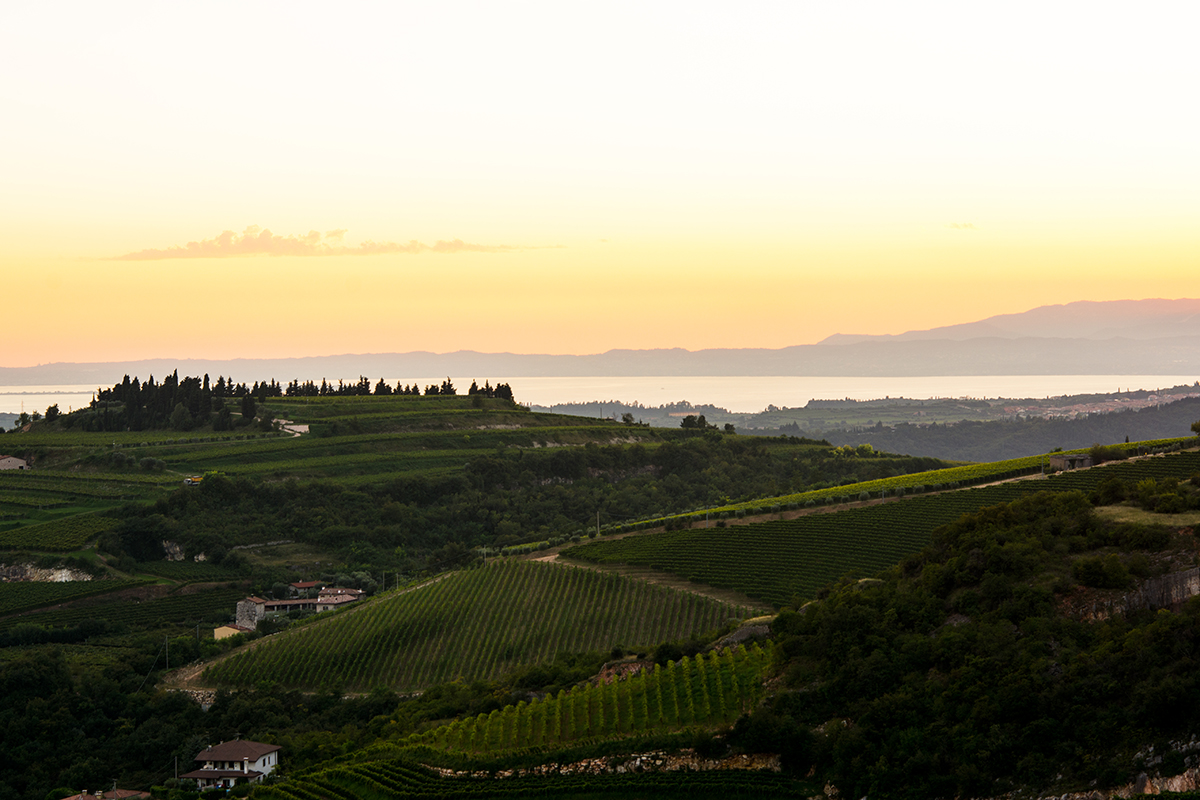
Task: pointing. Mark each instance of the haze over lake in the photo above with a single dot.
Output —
(738, 394)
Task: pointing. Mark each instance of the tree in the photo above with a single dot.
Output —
(1196, 427)
(181, 420)
(248, 406)
(627, 418)
(52, 413)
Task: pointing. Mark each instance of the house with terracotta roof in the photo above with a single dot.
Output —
(304, 588)
(229, 763)
(331, 598)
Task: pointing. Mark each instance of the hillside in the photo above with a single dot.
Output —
(788, 561)
(778, 519)
(474, 624)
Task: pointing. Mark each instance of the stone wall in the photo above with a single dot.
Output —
(247, 614)
(656, 761)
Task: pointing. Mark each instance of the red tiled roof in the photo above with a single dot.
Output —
(217, 774)
(236, 751)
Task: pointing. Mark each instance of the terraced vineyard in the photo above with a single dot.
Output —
(780, 562)
(23, 596)
(389, 778)
(474, 624)
(69, 533)
(700, 691)
(184, 609)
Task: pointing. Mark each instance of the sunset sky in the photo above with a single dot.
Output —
(226, 180)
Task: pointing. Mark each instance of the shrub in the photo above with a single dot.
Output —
(1101, 572)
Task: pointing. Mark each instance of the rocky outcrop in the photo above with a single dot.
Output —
(1167, 591)
(28, 572)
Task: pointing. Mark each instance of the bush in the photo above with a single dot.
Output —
(1101, 572)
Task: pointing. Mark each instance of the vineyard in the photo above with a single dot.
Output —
(474, 624)
(784, 561)
(390, 779)
(701, 691)
(63, 535)
(181, 609)
(26, 595)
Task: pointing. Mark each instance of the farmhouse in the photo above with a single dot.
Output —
(330, 599)
(228, 763)
(1061, 461)
(253, 609)
(12, 462)
(303, 588)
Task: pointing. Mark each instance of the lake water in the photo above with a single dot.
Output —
(737, 394)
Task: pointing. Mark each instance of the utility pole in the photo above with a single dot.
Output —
(167, 645)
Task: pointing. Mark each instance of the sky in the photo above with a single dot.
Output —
(226, 180)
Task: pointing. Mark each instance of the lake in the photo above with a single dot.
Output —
(737, 394)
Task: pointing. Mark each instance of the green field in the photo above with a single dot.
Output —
(783, 561)
(474, 624)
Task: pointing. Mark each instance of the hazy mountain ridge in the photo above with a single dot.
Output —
(1133, 337)
(1085, 319)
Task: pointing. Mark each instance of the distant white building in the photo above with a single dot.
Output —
(12, 462)
(227, 763)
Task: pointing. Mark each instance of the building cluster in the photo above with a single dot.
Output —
(303, 596)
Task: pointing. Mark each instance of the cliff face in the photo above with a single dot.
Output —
(1167, 591)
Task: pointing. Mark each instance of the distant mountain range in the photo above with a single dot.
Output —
(1122, 337)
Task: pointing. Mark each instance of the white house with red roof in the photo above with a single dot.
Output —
(229, 763)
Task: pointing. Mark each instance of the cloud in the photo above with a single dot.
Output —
(962, 226)
(256, 241)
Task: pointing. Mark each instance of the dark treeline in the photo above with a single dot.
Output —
(422, 523)
(179, 403)
(192, 402)
(997, 440)
(363, 388)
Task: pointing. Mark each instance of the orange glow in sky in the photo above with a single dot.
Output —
(553, 178)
